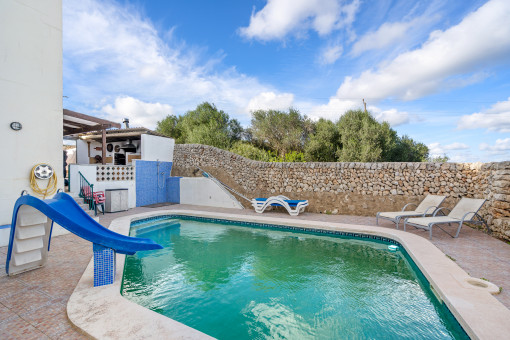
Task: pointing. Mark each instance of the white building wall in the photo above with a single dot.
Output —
(89, 172)
(4, 236)
(82, 153)
(155, 148)
(203, 191)
(30, 93)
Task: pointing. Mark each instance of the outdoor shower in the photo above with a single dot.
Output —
(162, 173)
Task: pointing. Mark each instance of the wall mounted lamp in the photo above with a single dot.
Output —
(16, 126)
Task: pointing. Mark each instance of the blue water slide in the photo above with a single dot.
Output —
(64, 210)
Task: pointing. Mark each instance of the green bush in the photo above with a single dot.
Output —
(438, 159)
(250, 151)
(292, 156)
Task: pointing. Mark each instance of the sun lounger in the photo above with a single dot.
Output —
(293, 207)
(466, 210)
(426, 208)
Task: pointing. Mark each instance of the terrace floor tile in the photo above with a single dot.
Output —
(17, 329)
(32, 304)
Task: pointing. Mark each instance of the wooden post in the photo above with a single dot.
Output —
(103, 146)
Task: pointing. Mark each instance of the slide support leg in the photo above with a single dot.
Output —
(104, 265)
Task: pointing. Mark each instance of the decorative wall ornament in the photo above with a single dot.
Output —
(111, 173)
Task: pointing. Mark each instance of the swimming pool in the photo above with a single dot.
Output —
(246, 280)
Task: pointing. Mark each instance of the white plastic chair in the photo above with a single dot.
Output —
(466, 210)
(427, 207)
(261, 204)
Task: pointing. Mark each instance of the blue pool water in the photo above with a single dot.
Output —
(237, 282)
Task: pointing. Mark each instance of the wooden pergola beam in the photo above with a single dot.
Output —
(86, 123)
(112, 135)
(72, 131)
(91, 118)
(103, 149)
(76, 124)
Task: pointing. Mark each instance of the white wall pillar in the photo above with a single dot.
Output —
(30, 93)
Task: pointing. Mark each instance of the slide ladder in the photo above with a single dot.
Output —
(30, 241)
(31, 227)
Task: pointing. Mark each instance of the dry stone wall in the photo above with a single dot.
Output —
(357, 188)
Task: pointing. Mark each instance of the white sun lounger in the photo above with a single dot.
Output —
(425, 208)
(261, 204)
(466, 210)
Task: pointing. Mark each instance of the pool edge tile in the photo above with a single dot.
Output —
(480, 314)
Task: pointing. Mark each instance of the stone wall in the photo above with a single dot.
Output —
(357, 188)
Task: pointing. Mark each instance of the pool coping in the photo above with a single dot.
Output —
(102, 312)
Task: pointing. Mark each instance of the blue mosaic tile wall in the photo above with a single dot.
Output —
(104, 265)
(150, 190)
(173, 190)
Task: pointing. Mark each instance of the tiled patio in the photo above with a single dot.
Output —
(33, 304)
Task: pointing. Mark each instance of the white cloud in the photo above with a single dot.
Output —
(498, 152)
(464, 157)
(270, 101)
(436, 149)
(385, 36)
(501, 146)
(280, 18)
(330, 54)
(392, 116)
(443, 60)
(456, 146)
(334, 109)
(497, 118)
(138, 112)
(112, 51)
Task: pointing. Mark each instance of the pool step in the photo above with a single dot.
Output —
(30, 243)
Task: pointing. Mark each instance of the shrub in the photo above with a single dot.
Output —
(250, 151)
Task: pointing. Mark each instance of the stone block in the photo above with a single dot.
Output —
(501, 205)
(501, 184)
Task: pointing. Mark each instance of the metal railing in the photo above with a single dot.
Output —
(228, 190)
(86, 191)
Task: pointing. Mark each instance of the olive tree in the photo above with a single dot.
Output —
(280, 131)
(204, 125)
(323, 143)
(364, 139)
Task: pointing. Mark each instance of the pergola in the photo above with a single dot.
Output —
(76, 123)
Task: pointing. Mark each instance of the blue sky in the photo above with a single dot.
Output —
(438, 71)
